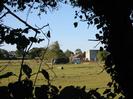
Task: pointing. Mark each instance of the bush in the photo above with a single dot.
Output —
(63, 60)
(101, 55)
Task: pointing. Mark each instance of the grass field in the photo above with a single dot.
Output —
(86, 74)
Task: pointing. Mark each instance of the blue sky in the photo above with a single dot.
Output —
(61, 27)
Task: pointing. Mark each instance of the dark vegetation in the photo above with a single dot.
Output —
(61, 60)
(114, 20)
(102, 55)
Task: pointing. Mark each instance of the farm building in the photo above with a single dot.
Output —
(91, 55)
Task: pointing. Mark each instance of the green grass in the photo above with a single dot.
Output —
(81, 75)
(85, 74)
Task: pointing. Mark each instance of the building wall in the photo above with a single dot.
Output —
(87, 55)
(91, 55)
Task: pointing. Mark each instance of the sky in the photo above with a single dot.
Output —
(61, 27)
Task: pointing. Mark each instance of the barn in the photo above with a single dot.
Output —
(91, 55)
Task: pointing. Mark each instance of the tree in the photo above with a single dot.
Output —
(36, 52)
(61, 54)
(55, 46)
(19, 53)
(78, 51)
(68, 53)
(1, 55)
(4, 54)
(50, 55)
(54, 52)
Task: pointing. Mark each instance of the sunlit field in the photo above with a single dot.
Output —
(88, 74)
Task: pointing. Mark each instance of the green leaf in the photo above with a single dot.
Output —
(6, 75)
(75, 24)
(45, 74)
(27, 70)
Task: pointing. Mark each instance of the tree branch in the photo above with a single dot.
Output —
(42, 27)
(4, 15)
(34, 29)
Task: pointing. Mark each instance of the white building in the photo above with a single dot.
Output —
(91, 55)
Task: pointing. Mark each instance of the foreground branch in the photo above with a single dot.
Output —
(34, 29)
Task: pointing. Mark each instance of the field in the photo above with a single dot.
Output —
(86, 74)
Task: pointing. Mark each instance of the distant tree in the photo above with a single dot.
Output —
(55, 46)
(68, 53)
(19, 53)
(36, 52)
(54, 51)
(60, 53)
(78, 51)
(1, 55)
(4, 54)
(12, 54)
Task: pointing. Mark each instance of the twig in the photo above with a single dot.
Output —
(93, 40)
(41, 58)
(4, 15)
(101, 67)
(29, 10)
(42, 27)
(97, 44)
(20, 74)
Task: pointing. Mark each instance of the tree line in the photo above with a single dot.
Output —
(53, 52)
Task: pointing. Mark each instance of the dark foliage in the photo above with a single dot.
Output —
(61, 60)
(114, 20)
(26, 90)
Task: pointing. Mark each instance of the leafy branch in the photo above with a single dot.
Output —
(27, 49)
